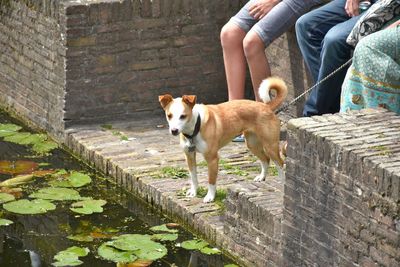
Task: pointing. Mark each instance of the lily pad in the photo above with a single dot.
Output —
(55, 193)
(165, 237)
(70, 256)
(142, 245)
(195, 244)
(75, 179)
(89, 206)
(8, 129)
(163, 228)
(17, 167)
(44, 147)
(4, 197)
(115, 255)
(40, 142)
(5, 222)
(28, 140)
(25, 206)
(210, 251)
(24, 178)
(17, 137)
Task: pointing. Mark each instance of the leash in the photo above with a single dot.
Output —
(286, 106)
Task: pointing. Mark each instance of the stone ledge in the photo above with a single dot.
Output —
(341, 196)
(253, 220)
(135, 163)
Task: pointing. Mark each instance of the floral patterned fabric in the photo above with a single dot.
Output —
(374, 19)
(373, 80)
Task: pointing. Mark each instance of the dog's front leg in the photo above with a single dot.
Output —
(191, 162)
(212, 163)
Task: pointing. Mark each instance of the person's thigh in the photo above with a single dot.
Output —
(319, 21)
(243, 19)
(281, 18)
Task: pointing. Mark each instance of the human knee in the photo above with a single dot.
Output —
(252, 45)
(302, 26)
(230, 35)
(333, 43)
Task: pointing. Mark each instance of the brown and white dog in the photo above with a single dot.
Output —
(207, 128)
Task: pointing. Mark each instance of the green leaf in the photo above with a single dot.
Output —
(44, 147)
(165, 237)
(88, 206)
(231, 265)
(75, 179)
(142, 245)
(25, 206)
(194, 244)
(81, 238)
(32, 139)
(55, 193)
(210, 251)
(4, 197)
(115, 255)
(163, 228)
(5, 222)
(69, 257)
(17, 137)
(8, 129)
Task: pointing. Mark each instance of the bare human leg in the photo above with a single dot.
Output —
(234, 59)
(254, 50)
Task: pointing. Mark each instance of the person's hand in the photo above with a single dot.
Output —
(261, 8)
(394, 24)
(351, 7)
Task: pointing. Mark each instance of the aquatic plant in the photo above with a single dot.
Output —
(74, 179)
(25, 206)
(70, 256)
(88, 206)
(200, 245)
(130, 246)
(17, 167)
(55, 193)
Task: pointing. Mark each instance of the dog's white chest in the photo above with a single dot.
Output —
(198, 144)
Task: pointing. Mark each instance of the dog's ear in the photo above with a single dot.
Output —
(165, 100)
(190, 100)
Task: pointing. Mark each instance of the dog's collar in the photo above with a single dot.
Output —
(196, 129)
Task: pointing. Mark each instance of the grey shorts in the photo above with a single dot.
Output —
(276, 22)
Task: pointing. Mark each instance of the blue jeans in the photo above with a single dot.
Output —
(321, 35)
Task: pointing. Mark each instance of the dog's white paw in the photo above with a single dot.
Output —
(259, 178)
(192, 192)
(209, 198)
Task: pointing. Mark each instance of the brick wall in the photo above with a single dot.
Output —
(72, 62)
(122, 54)
(32, 57)
(342, 191)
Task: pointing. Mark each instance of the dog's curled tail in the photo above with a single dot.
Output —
(273, 83)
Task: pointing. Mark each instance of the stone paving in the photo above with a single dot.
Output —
(139, 154)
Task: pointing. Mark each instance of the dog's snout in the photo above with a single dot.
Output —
(174, 131)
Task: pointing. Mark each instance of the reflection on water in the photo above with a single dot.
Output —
(33, 240)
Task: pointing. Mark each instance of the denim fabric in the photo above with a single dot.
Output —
(321, 35)
(276, 22)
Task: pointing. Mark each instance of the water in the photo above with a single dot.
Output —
(33, 240)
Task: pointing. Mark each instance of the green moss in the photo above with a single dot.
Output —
(384, 151)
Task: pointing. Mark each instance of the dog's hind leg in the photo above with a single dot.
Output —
(256, 147)
(194, 184)
(273, 151)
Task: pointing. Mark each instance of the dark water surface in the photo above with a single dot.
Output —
(33, 240)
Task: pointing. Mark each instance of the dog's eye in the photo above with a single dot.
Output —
(182, 117)
(169, 116)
